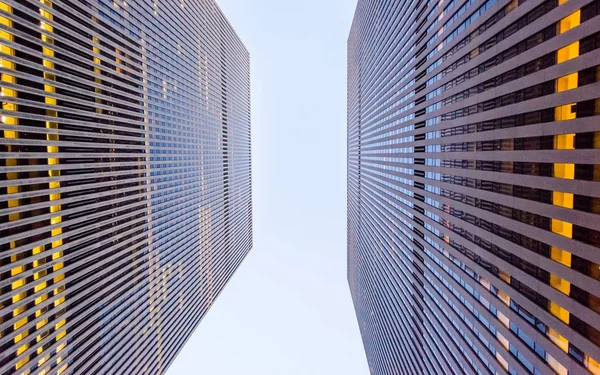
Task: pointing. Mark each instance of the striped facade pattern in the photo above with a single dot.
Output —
(473, 185)
(125, 180)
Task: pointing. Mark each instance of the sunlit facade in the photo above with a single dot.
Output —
(474, 185)
(125, 180)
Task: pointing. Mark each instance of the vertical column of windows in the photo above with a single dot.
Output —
(561, 170)
(7, 94)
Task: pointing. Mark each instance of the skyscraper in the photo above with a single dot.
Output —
(125, 180)
(473, 185)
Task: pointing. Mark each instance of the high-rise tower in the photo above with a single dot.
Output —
(474, 185)
(125, 180)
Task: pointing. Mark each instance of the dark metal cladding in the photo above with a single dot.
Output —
(125, 180)
(473, 185)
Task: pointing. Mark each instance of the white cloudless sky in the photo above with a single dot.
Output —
(287, 310)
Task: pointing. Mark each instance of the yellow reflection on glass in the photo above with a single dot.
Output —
(561, 256)
(559, 312)
(562, 227)
(567, 53)
(559, 340)
(504, 297)
(569, 22)
(504, 276)
(567, 82)
(560, 284)
(562, 113)
(592, 365)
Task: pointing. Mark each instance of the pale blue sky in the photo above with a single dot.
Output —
(288, 311)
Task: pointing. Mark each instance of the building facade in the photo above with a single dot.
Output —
(473, 185)
(125, 180)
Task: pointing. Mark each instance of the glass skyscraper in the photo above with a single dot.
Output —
(474, 185)
(125, 180)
